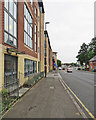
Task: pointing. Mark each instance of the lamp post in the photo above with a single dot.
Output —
(45, 49)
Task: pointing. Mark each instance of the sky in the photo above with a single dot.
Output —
(71, 24)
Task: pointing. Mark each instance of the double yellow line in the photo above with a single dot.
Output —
(91, 115)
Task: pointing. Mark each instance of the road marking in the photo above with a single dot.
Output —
(91, 115)
(78, 107)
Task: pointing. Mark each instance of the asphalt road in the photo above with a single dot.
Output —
(82, 84)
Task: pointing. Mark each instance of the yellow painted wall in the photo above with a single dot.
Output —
(21, 58)
(42, 43)
(51, 64)
(21, 67)
(47, 54)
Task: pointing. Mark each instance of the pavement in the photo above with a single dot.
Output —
(49, 98)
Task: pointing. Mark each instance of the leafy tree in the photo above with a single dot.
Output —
(92, 46)
(87, 52)
(83, 54)
(59, 63)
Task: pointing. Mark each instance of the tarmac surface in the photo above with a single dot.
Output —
(82, 83)
(47, 99)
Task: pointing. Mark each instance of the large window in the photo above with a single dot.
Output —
(30, 67)
(10, 69)
(28, 28)
(35, 38)
(10, 22)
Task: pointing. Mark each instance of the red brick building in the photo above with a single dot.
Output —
(92, 64)
(19, 38)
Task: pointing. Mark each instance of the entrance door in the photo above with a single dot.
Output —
(10, 71)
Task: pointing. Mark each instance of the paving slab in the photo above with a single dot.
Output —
(47, 99)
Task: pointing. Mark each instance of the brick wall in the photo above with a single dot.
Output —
(92, 65)
(0, 22)
(21, 45)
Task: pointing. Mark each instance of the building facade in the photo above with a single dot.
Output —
(48, 53)
(92, 64)
(41, 35)
(54, 59)
(20, 41)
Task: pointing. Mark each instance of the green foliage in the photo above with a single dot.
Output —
(6, 100)
(82, 54)
(87, 52)
(59, 63)
(92, 45)
(4, 92)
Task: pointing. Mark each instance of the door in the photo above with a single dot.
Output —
(10, 72)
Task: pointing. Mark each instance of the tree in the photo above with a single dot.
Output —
(92, 46)
(87, 52)
(59, 63)
(83, 54)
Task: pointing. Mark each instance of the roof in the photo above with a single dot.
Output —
(55, 53)
(93, 59)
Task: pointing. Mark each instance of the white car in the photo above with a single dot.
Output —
(60, 68)
(69, 70)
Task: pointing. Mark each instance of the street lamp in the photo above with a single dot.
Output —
(45, 49)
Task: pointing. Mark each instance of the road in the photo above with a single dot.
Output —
(82, 84)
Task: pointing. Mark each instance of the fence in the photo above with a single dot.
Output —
(10, 91)
(9, 94)
(33, 79)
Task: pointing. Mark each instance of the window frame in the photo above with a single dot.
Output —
(35, 38)
(14, 20)
(28, 27)
(29, 64)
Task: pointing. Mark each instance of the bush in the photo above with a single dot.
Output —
(6, 100)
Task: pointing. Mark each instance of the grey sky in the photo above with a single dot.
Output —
(71, 24)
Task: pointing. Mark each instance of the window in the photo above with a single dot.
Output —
(35, 38)
(10, 69)
(28, 28)
(11, 3)
(30, 67)
(35, 66)
(6, 21)
(35, 11)
(32, 3)
(10, 22)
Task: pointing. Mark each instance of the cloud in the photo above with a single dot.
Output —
(71, 24)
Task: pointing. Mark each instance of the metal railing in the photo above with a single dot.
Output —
(10, 91)
(32, 79)
(9, 94)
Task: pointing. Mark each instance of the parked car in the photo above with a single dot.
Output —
(63, 68)
(60, 68)
(79, 69)
(69, 70)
